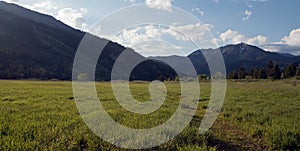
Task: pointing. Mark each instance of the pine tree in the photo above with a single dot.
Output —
(276, 72)
(262, 74)
(254, 73)
(288, 72)
(242, 73)
(298, 70)
(269, 69)
(233, 75)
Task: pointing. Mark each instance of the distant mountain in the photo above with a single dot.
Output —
(34, 45)
(236, 56)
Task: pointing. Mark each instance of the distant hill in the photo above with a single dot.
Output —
(236, 56)
(34, 45)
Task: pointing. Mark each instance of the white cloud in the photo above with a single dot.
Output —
(198, 10)
(45, 7)
(288, 44)
(11, 1)
(235, 37)
(231, 36)
(131, 36)
(247, 15)
(136, 35)
(70, 16)
(153, 38)
(160, 4)
(258, 40)
(131, 1)
(73, 17)
(216, 41)
(282, 48)
(194, 31)
(293, 38)
(146, 40)
(157, 48)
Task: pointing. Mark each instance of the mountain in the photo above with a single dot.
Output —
(34, 45)
(236, 56)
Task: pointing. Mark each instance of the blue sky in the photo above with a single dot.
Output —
(271, 24)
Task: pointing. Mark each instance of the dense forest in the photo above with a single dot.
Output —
(270, 71)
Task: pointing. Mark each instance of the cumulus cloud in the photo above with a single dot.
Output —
(198, 10)
(147, 40)
(150, 38)
(45, 7)
(288, 44)
(73, 17)
(131, 36)
(194, 31)
(70, 16)
(135, 35)
(235, 37)
(258, 40)
(160, 4)
(247, 15)
(293, 38)
(157, 48)
(282, 48)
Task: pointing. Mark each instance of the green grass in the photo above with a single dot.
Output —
(38, 115)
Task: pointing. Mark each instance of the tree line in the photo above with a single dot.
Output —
(270, 71)
(23, 71)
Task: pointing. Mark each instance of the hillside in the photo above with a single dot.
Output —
(236, 56)
(35, 45)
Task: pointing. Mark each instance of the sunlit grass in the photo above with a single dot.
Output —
(38, 115)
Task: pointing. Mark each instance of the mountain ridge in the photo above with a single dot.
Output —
(235, 56)
(32, 48)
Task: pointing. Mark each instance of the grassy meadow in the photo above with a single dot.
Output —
(259, 115)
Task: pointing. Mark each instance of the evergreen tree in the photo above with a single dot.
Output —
(242, 73)
(277, 73)
(288, 72)
(262, 74)
(298, 70)
(254, 73)
(233, 75)
(202, 77)
(269, 69)
(20, 71)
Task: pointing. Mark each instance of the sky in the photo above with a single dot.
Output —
(273, 25)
